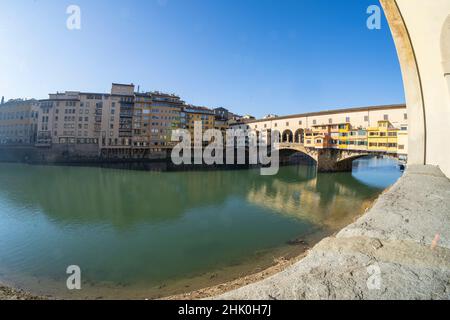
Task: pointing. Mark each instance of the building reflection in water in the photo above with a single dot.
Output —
(123, 198)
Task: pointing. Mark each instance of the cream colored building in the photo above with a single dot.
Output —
(117, 117)
(403, 140)
(70, 118)
(80, 118)
(18, 122)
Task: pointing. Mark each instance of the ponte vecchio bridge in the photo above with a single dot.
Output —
(334, 139)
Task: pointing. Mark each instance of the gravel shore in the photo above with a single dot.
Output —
(7, 293)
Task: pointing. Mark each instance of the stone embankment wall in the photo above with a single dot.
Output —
(66, 154)
(400, 249)
(54, 154)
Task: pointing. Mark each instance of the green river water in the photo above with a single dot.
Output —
(141, 234)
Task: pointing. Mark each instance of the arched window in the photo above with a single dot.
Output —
(287, 136)
(299, 136)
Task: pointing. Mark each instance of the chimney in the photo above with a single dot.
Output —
(3, 100)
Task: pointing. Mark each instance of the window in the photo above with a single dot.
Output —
(405, 116)
(386, 117)
(314, 122)
(300, 122)
(287, 124)
(330, 121)
(347, 119)
(366, 118)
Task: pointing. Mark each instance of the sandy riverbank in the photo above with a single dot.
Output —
(280, 265)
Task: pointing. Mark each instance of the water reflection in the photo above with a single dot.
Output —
(140, 227)
(125, 198)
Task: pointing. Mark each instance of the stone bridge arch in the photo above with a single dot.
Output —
(327, 160)
(287, 149)
(345, 160)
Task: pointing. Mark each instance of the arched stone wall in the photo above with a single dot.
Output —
(420, 31)
(411, 81)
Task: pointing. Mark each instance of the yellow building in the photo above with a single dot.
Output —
(357, 139)
(156, 115)
(192, 114)
(383, 138)
(344, 133)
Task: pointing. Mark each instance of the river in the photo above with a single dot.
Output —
(141, 234)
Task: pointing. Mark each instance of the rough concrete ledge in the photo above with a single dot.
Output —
(393, 249)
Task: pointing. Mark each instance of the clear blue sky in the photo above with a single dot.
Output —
(252, 56)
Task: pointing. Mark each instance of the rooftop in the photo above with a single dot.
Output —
(329, 112)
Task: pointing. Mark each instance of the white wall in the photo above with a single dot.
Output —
(357, 118)
(425, 22)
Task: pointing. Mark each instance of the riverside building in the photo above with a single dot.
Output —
(97, 120)
(120, 124)
(69, 118)
(162, 118)
(18, 122)
(192, 114)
